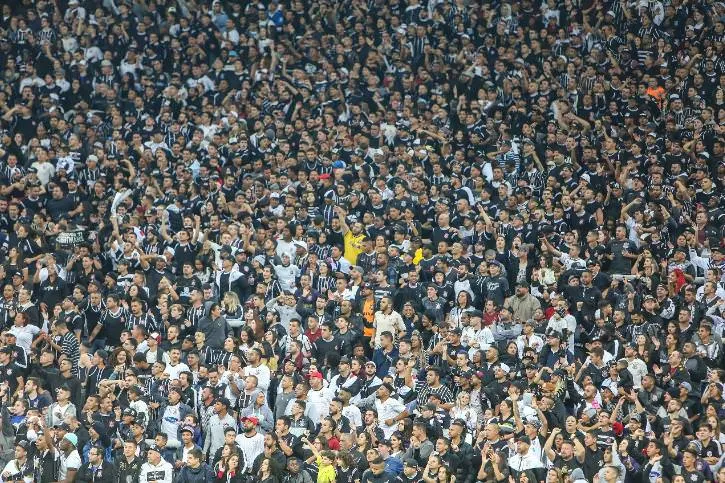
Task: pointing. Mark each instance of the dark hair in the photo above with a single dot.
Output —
(435, 370)
(421, 425)
(333, 423)
(286, 420)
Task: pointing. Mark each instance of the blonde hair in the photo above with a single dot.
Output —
(231, 301)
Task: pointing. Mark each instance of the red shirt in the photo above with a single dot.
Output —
(490, 318)
(313, 336)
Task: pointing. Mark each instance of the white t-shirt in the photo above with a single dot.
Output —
(251, 447)
(12, 469)
(153, 357)
(24, 335)
(163, 473)
(390, 409)
(174, 371)
(70, 462)
(318, 404)
(262, 374)
(170, 420)
(353, 414)
(141, 407)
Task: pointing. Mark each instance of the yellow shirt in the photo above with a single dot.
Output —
(353, 246)
(325, 473)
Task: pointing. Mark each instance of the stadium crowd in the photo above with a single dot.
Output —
(298, 241)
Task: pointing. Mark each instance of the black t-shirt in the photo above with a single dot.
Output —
(605, 438)
(566, 466)
(710, 450)
(9, 374)
(593, 462)
(322, 347)
(184, 287)
(692, 476)
(112, 326)
(184, 254)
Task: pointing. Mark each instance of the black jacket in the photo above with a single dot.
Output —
(202, 474)
(127, 471)
(104, 474)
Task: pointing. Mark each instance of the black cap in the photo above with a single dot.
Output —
(524, 439)
(410, 462)
(129, 412)
(140, 420)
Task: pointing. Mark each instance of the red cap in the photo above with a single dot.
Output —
(325, 176)
(251, 419)
(316, 374)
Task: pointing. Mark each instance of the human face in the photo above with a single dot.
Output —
(377, 469)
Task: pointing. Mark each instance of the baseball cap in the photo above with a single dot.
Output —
(524, 439)
(71, 438)
(459, 422)
(251, 419)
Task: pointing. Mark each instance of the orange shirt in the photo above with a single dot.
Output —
(368, 315)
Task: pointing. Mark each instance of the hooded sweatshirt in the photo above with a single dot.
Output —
(202, 474)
